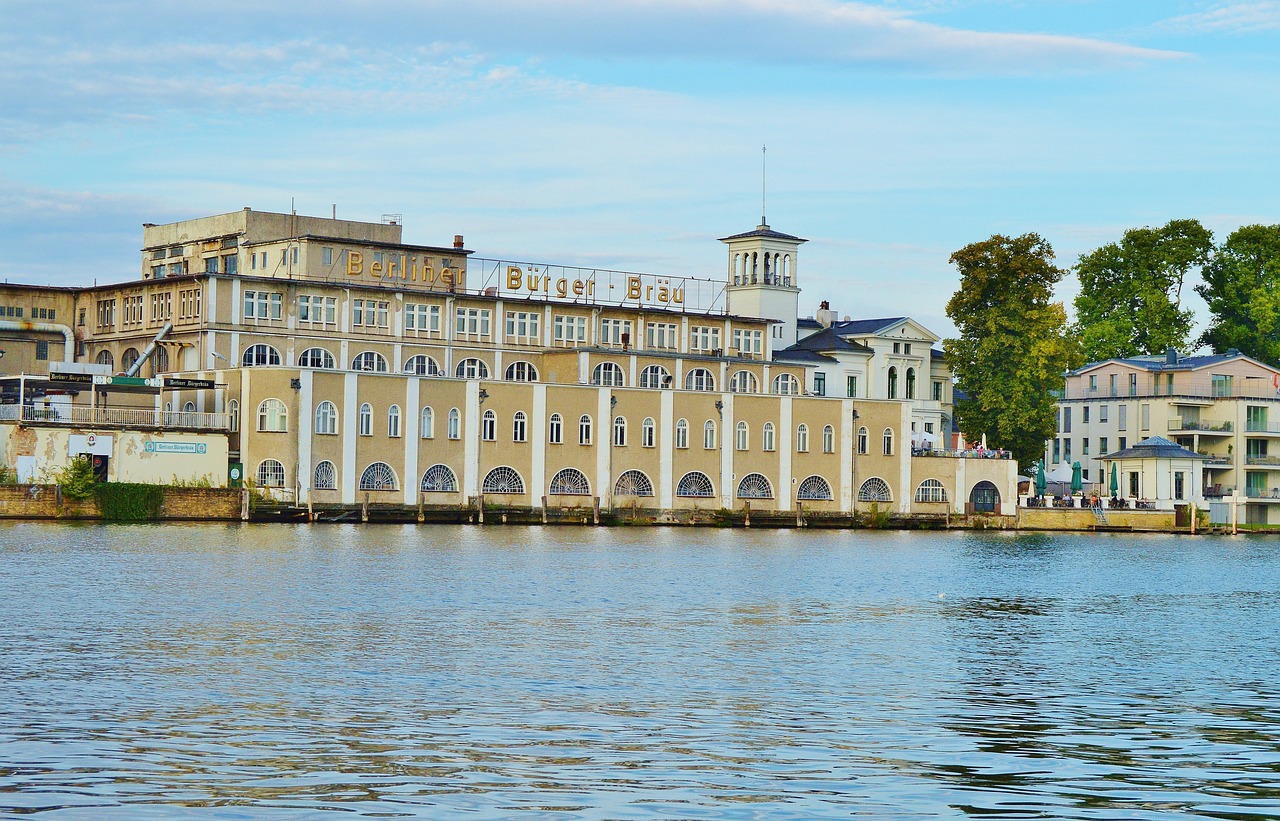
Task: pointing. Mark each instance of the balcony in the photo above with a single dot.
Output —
(1261, 427)
(1263, 461)
(1216, 461)
(131, 418)
(940, 453)
(1221, 428)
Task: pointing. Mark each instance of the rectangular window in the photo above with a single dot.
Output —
(820, 384)
(662, 335)
(189, 304)
(422, 319)
(42, 349)
(1179, 485)
(1066, 451)
(522, 327)
(1085, 415)
(1084, 446)
(704, 339)
(1133, 384)
(569, 330)
(263, 305)
(1146, 417)
(157, 271)
(1057, 451)
(1122, 421)
(176, 269)
(1102, 446)
(1066, 420)
(1102, 413)
(1124, 442)
(612, 331)
(937, 391)
(851, 385)
(1255, 418)
(326, 256)
(473, 323)
(161, 307)
(132, 313)
(317, 310)
(897, 347)
(106, 313)
(1093, 383)
(906, 347)
(230, 264)
(748, 343)
(211, 265)
(1112, 387)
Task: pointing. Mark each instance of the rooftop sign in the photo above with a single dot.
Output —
(593, 286)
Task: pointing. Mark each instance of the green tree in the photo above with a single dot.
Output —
(1130, 300)
(1242, 288)
(1013, 347)
(77, 478)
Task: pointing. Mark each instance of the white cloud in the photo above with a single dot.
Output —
(1234, 18)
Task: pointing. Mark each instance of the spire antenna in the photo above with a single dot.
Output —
(763, 149)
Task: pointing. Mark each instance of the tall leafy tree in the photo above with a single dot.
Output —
(1013, 347)
(1242, 288)
(1130, 300)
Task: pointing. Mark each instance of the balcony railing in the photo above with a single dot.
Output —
(1262, 460)
(961, 454)
(1260, 427)
(1217, 461)
(1204, 427)
(1263, 389)
(80, 416)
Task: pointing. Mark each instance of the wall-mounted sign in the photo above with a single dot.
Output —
(95, 444)
(392, 268)
(179, 383)
(175, 447)
(71, 378)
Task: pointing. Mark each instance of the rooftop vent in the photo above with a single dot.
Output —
(1171, 356)
(457, 242)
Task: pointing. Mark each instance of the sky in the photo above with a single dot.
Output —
(627, 134)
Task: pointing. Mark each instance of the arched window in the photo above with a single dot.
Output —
(455, 424)
(911, 383)
(785, 384)
(888, 441)
(520, 427)
(619, 432)
(189, 407)
(893, 382)
(569, 482)
(522, 372)
(682, 433)
(273, 416)
(863, 440)
(489, 426)
(655, 376)
(767, 436)
(584, 430)
(555, 429)
(814, 489)
(608, 374)
(439, 479)
(160, 361)
(744, 436)
(324, 477)
(233, 415)
(316, 358)
(105, 358)
(472, 368)
(503, 480)
(647, 436)
(393, 421)
(744, 382)
(366, 420)
(259, 354)
(369, 362)
(326, 418)
(709, 435)
(427, 424)
(633, 483)
(874, 489)
(378, 476)
(802, 438)
(931, 490)
(270, 473)
(695, 485)
(699, 379)
(422, 365)
(128, 358)
(755, 486)
(829, 439)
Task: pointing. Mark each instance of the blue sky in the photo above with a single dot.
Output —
(627, 134)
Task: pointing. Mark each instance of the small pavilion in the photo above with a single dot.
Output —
(1158, 471)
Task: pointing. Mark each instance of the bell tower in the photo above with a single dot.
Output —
(762, 279)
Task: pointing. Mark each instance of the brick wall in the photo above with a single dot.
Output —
(42, 502)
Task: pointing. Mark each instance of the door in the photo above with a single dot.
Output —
(984, 498)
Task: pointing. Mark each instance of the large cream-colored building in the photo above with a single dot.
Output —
(1219, 405)
(351, 366)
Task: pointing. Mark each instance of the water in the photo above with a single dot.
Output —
(270, 672)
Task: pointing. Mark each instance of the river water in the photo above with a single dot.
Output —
(277, 672)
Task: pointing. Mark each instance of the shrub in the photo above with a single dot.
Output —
(77, 479)
(129, 501)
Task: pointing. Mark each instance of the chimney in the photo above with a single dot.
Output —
(457, 241)
(825, 315)
(1233, 351)
(1171, 356)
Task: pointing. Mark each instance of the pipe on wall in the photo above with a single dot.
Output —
(142, 359)
(68, 336)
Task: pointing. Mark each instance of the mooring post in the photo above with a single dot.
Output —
(480, 508)
(544, 510)
(799, 514)
(421, 519)
(364, 509)
(746, 519)
(595, 510)
(244, 505)
(311, 513)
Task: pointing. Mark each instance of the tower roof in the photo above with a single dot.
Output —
(763, 231)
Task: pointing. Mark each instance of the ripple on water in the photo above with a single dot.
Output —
(274, 672)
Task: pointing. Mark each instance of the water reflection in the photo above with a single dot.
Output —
(276, 672)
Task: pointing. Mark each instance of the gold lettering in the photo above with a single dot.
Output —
(633, 288)
(664, 294)
(515, 278)
(428, 273)
(534, 283)
(375, 269)
(648, 293)
(678, 296)
(355, 263)
(591, 287)
(577, 287)
(562, 287)
(391, 269)
(446, 276)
